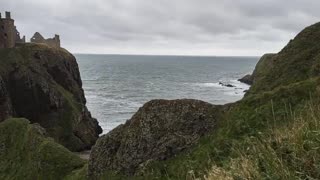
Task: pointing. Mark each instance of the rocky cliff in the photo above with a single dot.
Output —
(43, 84)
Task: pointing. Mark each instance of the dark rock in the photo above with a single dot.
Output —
(247, 79)
(43, 85)
(226, 85)
(5, 102)
(158, 131)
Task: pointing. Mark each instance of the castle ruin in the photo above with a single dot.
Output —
(10, 36)
(53, 42)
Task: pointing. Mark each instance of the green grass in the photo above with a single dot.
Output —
(25, 153)
(291, 151)
(298, 61)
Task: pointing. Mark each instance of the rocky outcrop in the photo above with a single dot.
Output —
(158, 131)
(226, 84)
(264, 64)
(247, 79)
(43, 84)
(5, 103)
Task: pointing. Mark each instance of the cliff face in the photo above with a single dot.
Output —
(158, 131)
(43, 85)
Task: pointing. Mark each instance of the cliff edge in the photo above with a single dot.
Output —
(43, 84)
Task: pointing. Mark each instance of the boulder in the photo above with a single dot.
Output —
(159, 130)
(247, 79)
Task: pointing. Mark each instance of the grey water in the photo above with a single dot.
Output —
(117, 85)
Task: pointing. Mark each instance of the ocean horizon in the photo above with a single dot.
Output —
(116, 86)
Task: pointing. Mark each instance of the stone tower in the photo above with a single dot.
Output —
(9, 35)
(8, 31)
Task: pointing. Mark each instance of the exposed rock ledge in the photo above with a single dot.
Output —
(265, 64)
(43, 84)
(159, 130)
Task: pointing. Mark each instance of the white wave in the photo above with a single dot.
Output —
(216, 85)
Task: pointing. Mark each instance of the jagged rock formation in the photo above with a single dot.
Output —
(44, 85)
(158, 131)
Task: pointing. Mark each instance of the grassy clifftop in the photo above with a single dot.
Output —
(26, 153)
(298, 61)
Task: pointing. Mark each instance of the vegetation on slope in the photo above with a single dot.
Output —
(281, 152)
(298, 61)
(242, 123)
(25, 153)
(43, 84)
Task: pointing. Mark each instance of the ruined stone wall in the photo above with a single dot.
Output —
(52, 42)
(18, 39)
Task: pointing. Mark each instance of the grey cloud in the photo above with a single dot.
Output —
(201, 27)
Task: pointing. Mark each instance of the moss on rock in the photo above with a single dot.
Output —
(43, 84)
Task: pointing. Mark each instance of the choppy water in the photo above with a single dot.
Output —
(117, 85)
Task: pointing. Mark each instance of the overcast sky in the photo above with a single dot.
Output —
(181, 27)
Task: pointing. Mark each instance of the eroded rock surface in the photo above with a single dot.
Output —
(247, 79)
(158, 131)
(43, 84)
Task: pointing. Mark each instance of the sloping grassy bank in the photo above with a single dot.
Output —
(247, 126)
(290, 151)
(26, 153)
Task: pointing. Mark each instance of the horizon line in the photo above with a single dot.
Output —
(185, 55)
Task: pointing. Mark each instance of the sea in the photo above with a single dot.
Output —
(116, 86)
